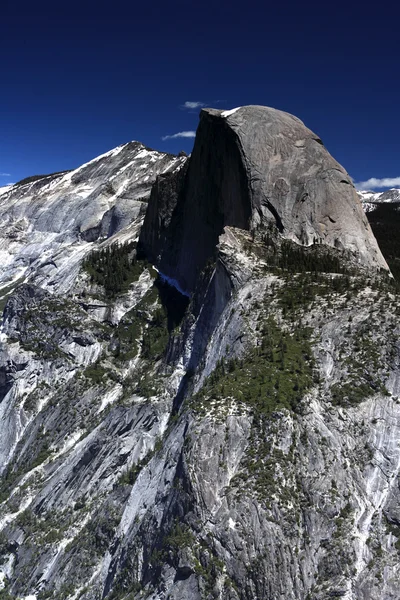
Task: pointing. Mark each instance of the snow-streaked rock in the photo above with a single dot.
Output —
(49, 225)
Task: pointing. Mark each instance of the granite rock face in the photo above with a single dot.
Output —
(252, 166)
(48, 225)
(237, 443)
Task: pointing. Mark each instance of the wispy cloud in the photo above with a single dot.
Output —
(192, 105)
(5, 175)
(180, 134)
(374, 183)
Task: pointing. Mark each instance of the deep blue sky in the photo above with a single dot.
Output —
(80, 78)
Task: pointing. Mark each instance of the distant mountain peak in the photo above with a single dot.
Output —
(370, 199)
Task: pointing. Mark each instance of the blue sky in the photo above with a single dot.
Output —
(78, 78)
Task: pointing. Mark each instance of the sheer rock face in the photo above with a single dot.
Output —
(252, 166)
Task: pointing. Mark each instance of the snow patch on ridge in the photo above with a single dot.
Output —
(109, 154)
(5, 188)
(227, 113)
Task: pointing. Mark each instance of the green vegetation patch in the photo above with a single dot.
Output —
(115, 267)
(316, 258)
(144, 327)
(170, 545)
(300, 291)
(287, 255)
(149, 324)
(49, 529)
(385, 223)
(96, 372)
(363, 365)
(272, 376)
(97, 534)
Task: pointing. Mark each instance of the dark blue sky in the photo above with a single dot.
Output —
(80, 78)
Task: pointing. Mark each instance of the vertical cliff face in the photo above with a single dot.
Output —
(213, 193)
(253, 166)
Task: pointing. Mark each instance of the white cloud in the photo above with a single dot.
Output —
(5, 175)
(180, 134)
(374, 183)
(192, 105)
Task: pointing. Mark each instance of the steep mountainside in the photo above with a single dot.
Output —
(48, 224)
(214, 411)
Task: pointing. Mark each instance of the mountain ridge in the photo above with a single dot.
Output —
(96, 200)
(371, 200)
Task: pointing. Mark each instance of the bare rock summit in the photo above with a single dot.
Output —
(252, 166)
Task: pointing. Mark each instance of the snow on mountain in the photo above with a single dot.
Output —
(48, 225)
(4, 188)
(369, 199)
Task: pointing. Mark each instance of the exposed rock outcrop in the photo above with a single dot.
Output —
(48, 225)
(252, 166)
